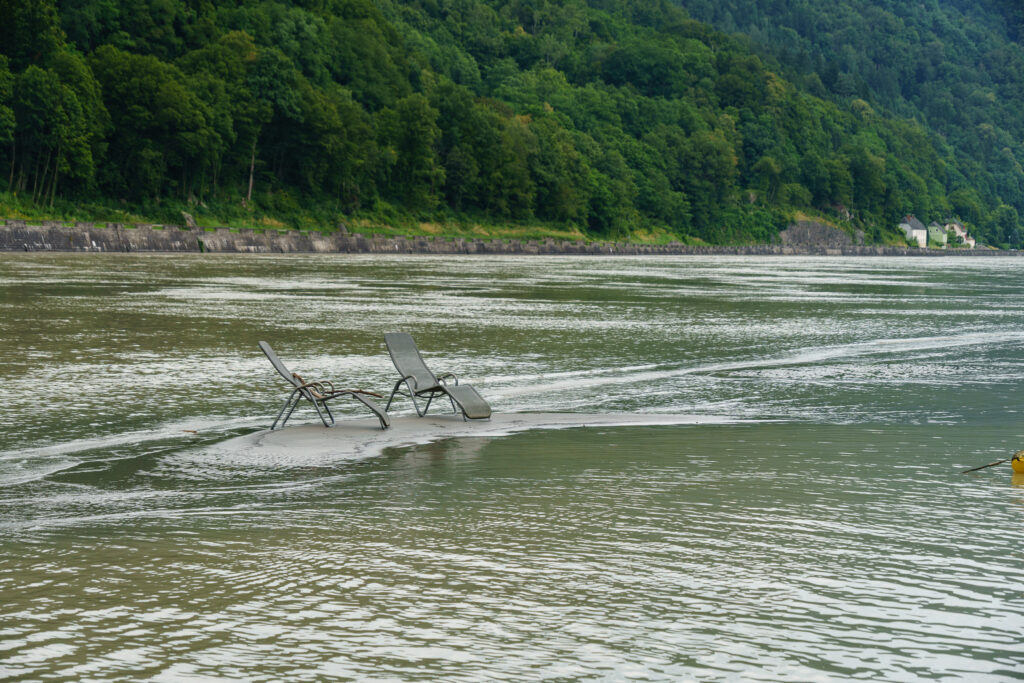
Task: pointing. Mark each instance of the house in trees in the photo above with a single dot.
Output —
(937, 233)
(915, 230)
(960, 232)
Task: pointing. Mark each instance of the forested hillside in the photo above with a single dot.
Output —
(612, 116)
(957, 66)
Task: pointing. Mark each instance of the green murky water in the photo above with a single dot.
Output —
(824, 534)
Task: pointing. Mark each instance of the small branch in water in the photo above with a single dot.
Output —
(991, 464)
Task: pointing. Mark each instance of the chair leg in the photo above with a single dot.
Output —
(415, 404)
(392, 397)
(454, 408)
(412, 395)
(298, 399)
(316, 404)
(279, 414)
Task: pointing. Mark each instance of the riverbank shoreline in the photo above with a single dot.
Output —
(56, 236)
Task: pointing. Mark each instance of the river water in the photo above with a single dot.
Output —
(814, 527)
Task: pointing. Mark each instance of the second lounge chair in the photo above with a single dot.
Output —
(318, 394)
(422, 383)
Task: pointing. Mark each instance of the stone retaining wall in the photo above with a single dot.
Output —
(808, 233)
(56, 236)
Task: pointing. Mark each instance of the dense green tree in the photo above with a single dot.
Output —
(709, 162)
(162, 135)
(610, 116)
(1005, 225)
(418, 175)
(559, 172)
(52, 134)
(89, 23)
(7, 122)
(29, 32)
(511, 186)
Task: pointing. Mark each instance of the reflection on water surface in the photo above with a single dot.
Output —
(831, 538)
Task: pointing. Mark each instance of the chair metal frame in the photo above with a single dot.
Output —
(430, 394)
(438, 383)
(317, 393)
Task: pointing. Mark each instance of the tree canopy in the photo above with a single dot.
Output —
(955, 67)
(611, 116)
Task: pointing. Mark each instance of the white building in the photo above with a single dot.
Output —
(915, 230)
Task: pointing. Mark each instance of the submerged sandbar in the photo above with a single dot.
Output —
(313, 443)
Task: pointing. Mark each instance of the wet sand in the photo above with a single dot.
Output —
(312, 443)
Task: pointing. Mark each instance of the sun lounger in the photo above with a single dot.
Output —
(319, 393)
(420, 382)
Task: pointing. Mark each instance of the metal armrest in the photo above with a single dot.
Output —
(441, 378)
(315, 388)
(360, 391)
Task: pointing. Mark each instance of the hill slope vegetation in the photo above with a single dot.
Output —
(612, 117)
(956, 66)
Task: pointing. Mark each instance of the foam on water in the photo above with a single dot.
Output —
(22, 465)
(816, 356)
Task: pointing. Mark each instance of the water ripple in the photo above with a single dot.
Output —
(833, 540)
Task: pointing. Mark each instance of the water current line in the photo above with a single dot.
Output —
(28, 464)
(803, 357)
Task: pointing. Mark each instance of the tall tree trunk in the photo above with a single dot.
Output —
(33, 176)
(40, 178)
(56, 173)
(53, 188)
(252, 169)
(14, 149)
(43, 177)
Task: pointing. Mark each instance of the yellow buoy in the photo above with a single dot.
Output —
(1017, 463)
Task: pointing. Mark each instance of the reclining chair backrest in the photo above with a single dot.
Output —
(280, 367)
(407, 359)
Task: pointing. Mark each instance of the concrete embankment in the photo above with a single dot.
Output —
(18, 235)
